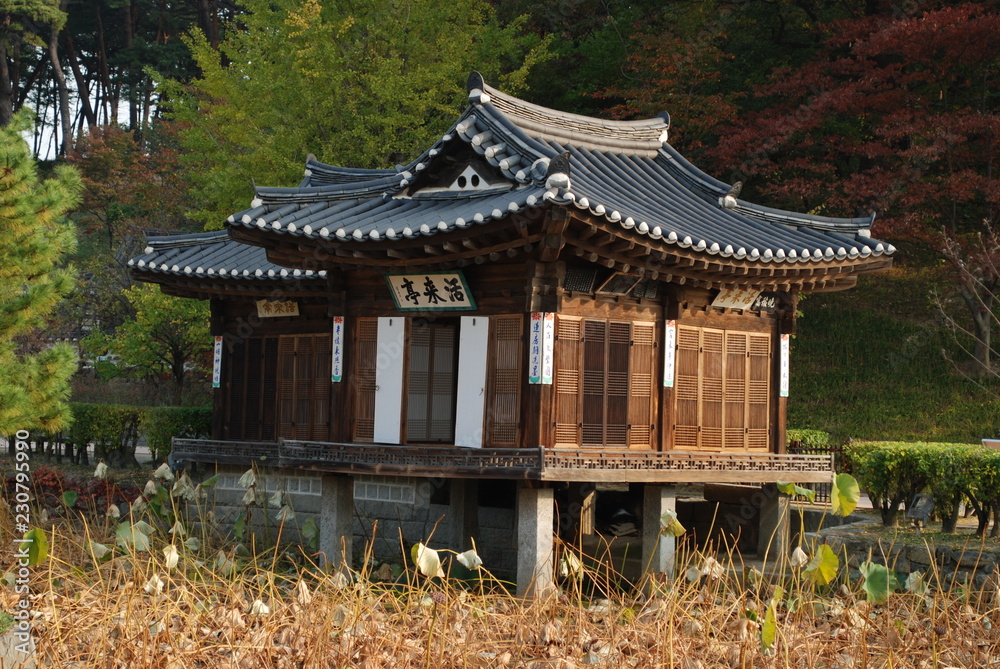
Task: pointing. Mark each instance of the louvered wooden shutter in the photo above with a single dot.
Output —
(712, 374)
(568, 351)
(319, 391)
(759, 391)
(365, 360)
(616, 383)
(735, 391)
(687, 387)
(641, 360)
(419, 374)
(595, 335)
(504, 417)
(252, 380)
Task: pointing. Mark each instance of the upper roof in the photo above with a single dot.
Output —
(527, 157)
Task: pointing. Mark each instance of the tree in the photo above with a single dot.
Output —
(898, 113)
(368, 83)
(165, 335)
(23, 27)
(33, 240)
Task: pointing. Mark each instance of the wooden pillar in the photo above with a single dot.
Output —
(464, 512)
(772, 538)
(657, 548)
(336, 528)
(535, 573)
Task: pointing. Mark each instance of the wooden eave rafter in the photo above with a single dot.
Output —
(592, 238)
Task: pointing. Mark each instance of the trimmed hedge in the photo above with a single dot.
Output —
(161, 423)
(809, 438)
(115, 428)
(893, 472)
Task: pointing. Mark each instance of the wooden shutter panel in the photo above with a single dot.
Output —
(365, 360)
(759, 391)
(595, 334)
(235, 426)
(735, 391)
(616, 416)
(269, 391)
(504, 417)
(712, 374)
(641, 361)
(687, 388)
(319, 423)
(568, 350)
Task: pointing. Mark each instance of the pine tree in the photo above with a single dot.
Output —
(33, 239)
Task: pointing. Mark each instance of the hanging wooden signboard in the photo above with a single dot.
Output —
(669, 353)
(735, 298)
(541, 348)
(431, 291)
(217, 363)
(337, 352)
(277, 308)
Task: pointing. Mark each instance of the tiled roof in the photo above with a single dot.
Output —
(625, 172)
(212, 254)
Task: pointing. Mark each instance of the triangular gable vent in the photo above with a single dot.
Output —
(470, 179)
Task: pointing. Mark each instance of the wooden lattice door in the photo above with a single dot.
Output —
(430, 413)
(503, 417)
(365, 361)
(252, 389)
(304, 387)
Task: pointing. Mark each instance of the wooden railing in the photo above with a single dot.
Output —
(539, 463)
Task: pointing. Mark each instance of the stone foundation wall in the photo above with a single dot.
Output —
(390, 512)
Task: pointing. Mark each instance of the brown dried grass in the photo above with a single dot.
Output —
(272, 612)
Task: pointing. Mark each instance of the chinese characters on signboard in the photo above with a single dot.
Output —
(337, 373)
(735, 298)
(430, 291)
(670, 354)
(217, 363)
(783, 384)
(276, 308)
(541, 347)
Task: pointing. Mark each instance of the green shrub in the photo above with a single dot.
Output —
(160, 424)
(112, 428)
(893, 472)
(809, 438)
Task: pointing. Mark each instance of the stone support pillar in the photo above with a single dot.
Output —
(336, 524)
(535, 509)
(464, 512)
(772, 539)
(657, 548)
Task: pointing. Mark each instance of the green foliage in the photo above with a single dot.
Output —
(794, 490)
(879, 583)
(845, 495)
(6, 621)
(160, 424)
(367, 84)
(823, 567)
(38, 546)
(33, 238)
(809, 438)
(164, 334)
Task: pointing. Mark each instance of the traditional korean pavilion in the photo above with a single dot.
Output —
(540, 297)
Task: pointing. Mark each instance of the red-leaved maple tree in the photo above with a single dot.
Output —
(898, 113)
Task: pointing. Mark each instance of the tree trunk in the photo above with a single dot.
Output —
(982, 324)
(6, 87)
(949, 519)
(82, 86)
(64, 113)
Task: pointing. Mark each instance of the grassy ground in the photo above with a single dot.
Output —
(869, 363)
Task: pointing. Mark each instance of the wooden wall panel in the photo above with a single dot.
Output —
(568, 353)
(365, 361)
